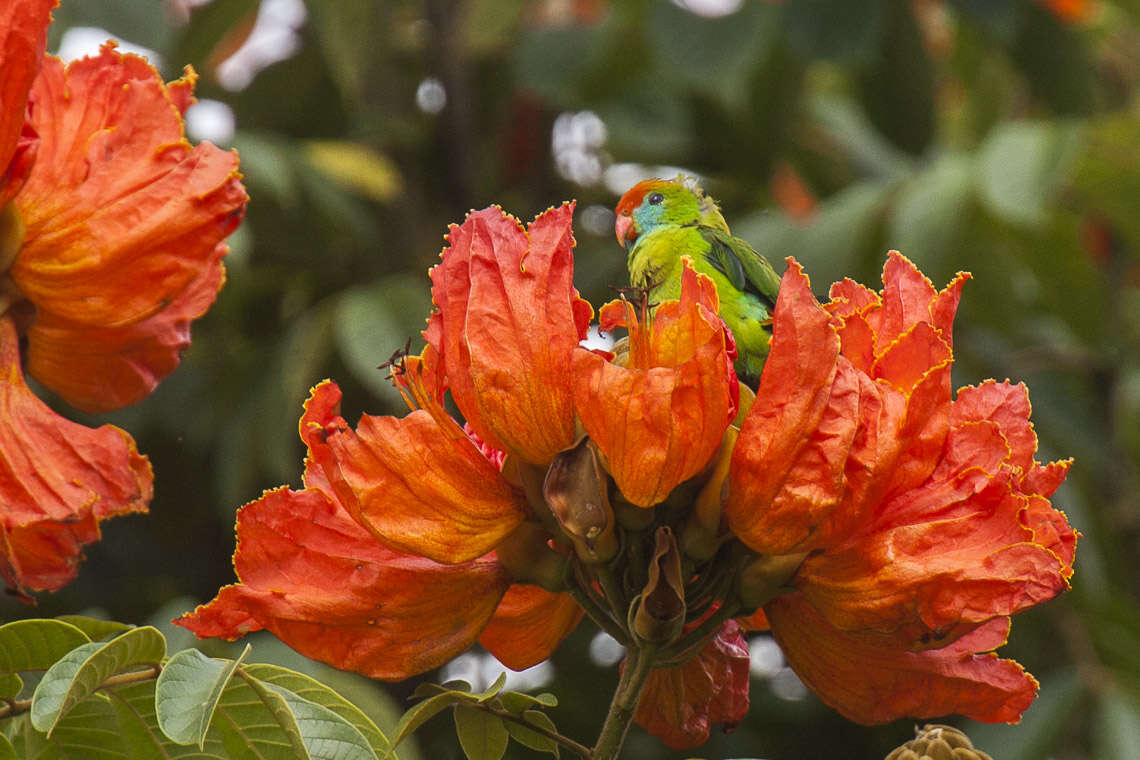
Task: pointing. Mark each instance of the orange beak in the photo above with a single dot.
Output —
(624, 229)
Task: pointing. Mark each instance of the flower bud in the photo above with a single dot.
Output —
(660, 615)
(701, 535)
(577, 490)
(934, 742)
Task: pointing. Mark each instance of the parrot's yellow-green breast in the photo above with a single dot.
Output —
(659, 221)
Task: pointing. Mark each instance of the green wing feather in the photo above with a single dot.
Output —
(747, 270)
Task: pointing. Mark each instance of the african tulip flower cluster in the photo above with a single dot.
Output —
(883, 529)
(112, 232)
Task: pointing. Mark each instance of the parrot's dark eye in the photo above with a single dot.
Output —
(656, 199)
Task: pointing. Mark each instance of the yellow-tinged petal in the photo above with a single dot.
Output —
(121, 213)
(660, 419)
(58, 481)
(323, 585)
(871, 685)
(528, 625)
(420, 487)
(99, 369)
(508, 320)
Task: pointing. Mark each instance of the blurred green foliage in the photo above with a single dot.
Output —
(995, 136)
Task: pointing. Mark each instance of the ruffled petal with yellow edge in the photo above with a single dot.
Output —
(58, 481)
(508, 320)
(528, 625)
(322, 584)
(871, 685)
(418, 483)
(659, 419)
(122, 214)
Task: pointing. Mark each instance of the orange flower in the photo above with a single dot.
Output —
(908, 525)
(924, 519)
(112, 232)
(423, 496)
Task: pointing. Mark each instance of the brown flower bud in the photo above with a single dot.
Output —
(660, 615)
(577, 491)
(934, 742)
(701, 535)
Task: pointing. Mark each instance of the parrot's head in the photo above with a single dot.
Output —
(657, 203)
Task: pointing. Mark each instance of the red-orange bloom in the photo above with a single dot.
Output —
(422, 505)
(925, 519)
(58, 481)
(660, 417)
(112, 233)
(909, 524)
(125, 225)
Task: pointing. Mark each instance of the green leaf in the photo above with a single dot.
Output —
(79, 674)
(493, 689)
(1019, 167)
(424, 711)
(7, 751)
(140, 733)
(188, 692)
(326, 735)
(53, 689)
(88, 731)
(516, 702)
(36, 644)
(282, 712)
(318, 693)
(533, 739)
(95, 628)
(481, 734)
(10, 685)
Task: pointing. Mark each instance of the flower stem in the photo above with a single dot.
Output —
(639, 661)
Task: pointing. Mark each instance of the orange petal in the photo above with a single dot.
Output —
(419, 487)
(787, 473)
(528, 626)
(680, 704)
(659, 420)
(920, 583)
(99, 369)
(872, 685)
(323, 585)
(58, 481)
(508, 320)
(122, 214)
(23, 35)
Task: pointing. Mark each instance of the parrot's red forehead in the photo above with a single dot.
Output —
(633, 196)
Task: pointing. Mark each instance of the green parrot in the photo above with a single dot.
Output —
(659, 221)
